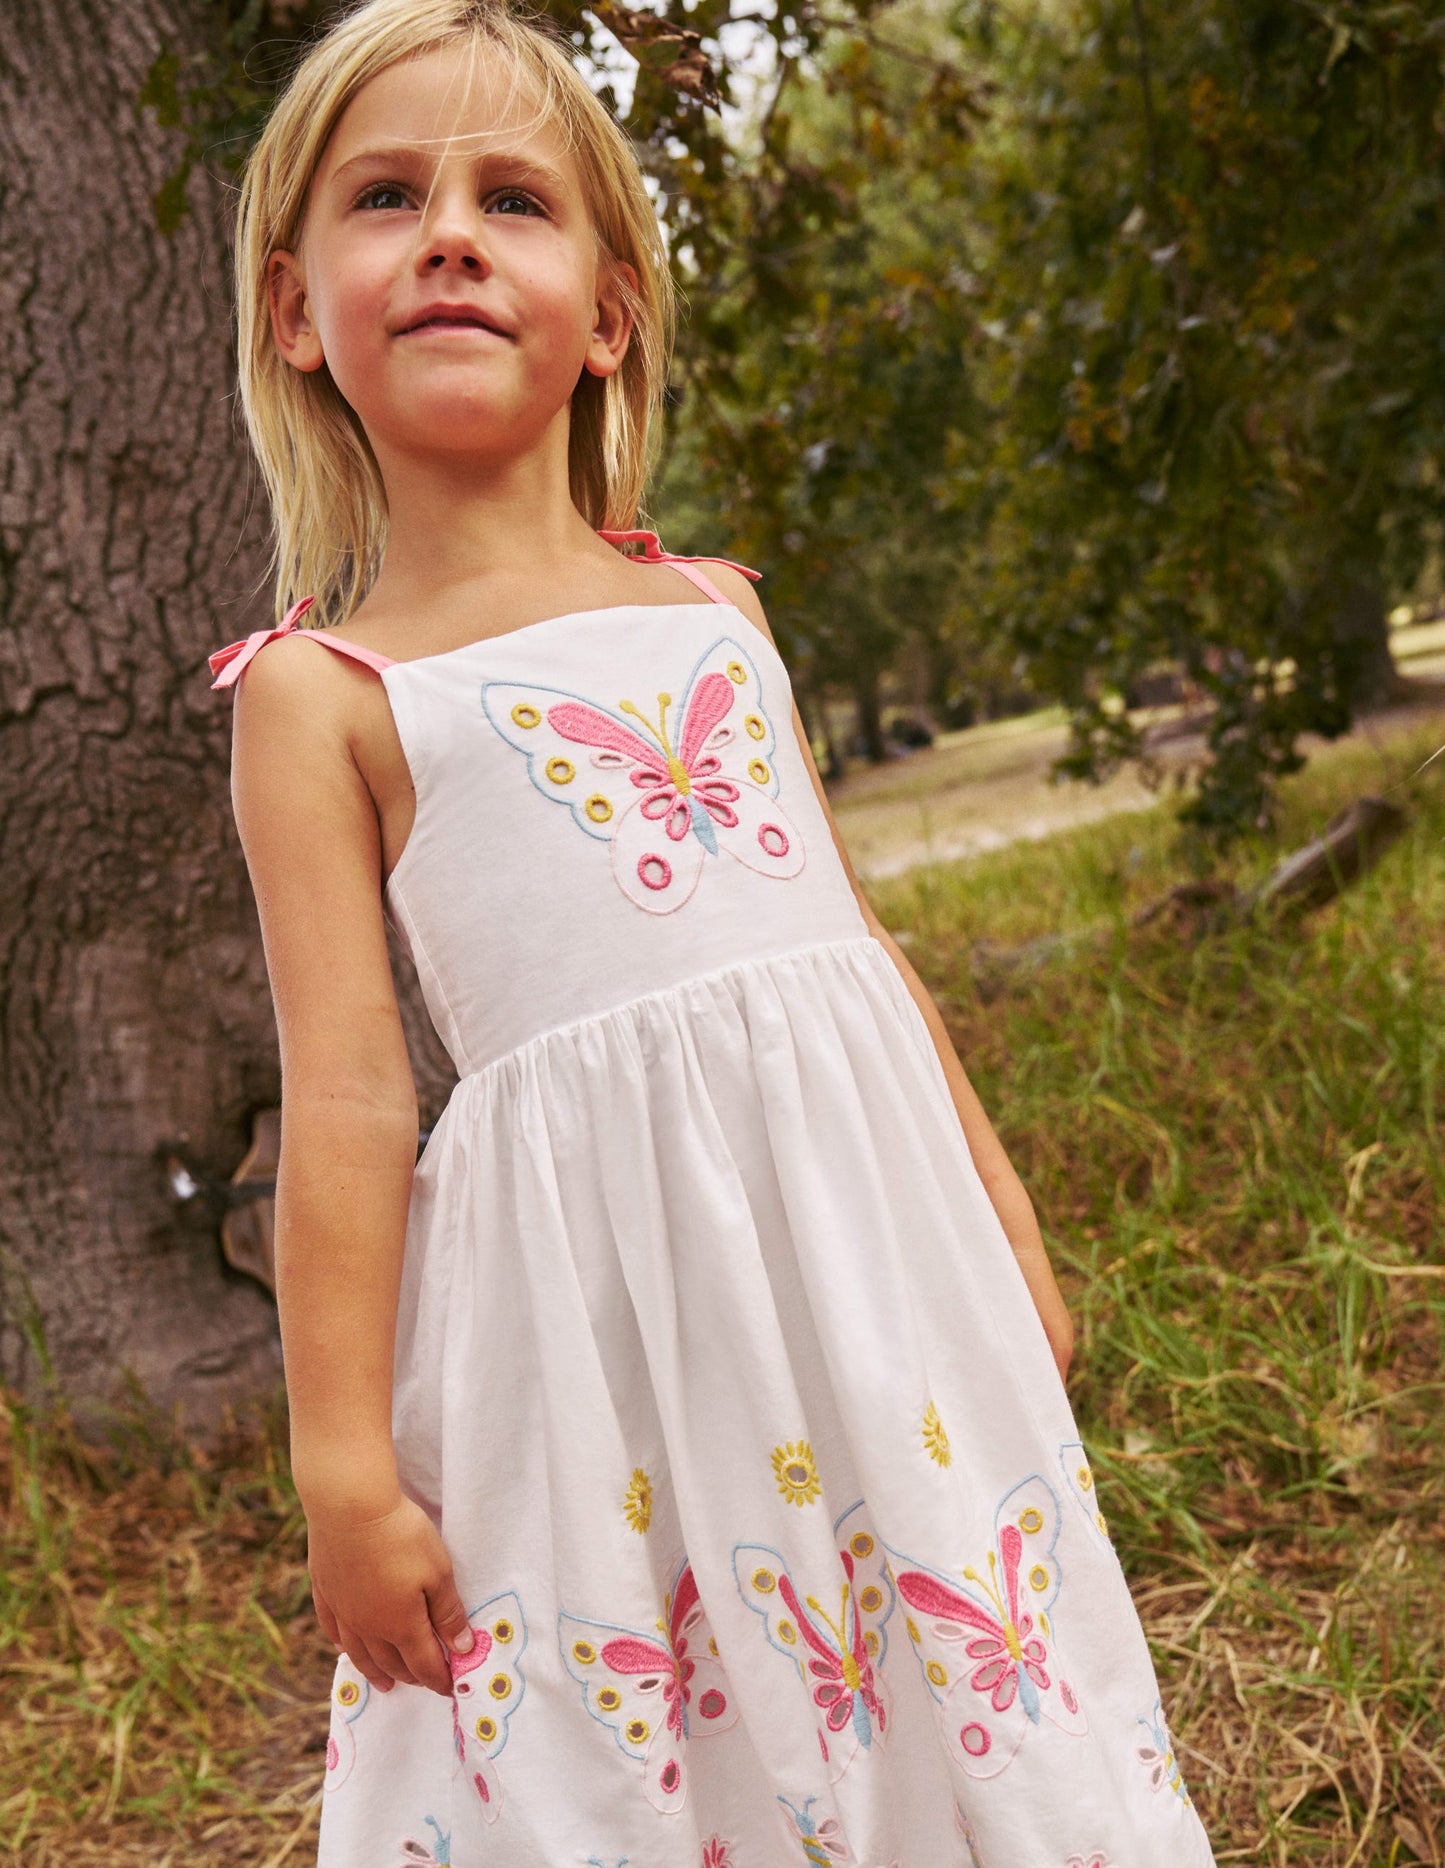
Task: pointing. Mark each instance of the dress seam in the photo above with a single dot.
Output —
(665, 992)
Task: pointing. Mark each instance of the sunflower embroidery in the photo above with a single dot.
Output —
(637, 1501)
(935, 1439)
(795, 1472)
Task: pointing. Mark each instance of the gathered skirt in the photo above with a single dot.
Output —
(717, 1373)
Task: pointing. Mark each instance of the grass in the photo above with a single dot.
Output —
(1236, 1150)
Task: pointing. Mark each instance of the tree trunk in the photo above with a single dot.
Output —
(1361, 628)
(868, 698)
(137, 1018)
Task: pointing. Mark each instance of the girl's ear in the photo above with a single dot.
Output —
(296, 335)
(612, 330)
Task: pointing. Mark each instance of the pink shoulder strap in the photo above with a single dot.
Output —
(653, 553)
(227, 663)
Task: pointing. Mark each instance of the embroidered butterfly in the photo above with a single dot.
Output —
(668, 789)
(655, 1691)
(822, 1841)
(987, 1648)
(836, 1646)
(419, 1855)
(487, 1686)
(350, 1691)
(1080, 1481)
(1156, 1754)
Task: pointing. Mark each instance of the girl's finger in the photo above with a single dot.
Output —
(366, 1662)
(448, 1616)
(395, 1662)
(329, 1625)
(427, 1658)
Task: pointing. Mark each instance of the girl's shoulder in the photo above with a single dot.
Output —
(229, 663)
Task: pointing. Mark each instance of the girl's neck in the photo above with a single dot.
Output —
(456, 529)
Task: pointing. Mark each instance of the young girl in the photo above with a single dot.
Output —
(688, 1472)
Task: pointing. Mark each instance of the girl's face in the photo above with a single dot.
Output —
(447, 272)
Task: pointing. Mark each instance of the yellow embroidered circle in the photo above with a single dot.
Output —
(637, 1501)
(737, 674)
(499, 1686)
(871, 1598)
(1085, 1478)
(756, 727)
(561, 771)
(637, 1730)
(758, 771)
(938, 1673)
(486, 1729)
(787, 1632)
(348, 1693)
(598, 808)
(861, 1544)
(764, 1582)
(609, 1699)
(870, 1641)
(1038, 1578)
(584, 1651)
(911, 1626)
(524, 714)
(1031, 1521)
(795, 1472)
(502, 1630)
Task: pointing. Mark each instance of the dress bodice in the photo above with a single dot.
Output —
(607, 804)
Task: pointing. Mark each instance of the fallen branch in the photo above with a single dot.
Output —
(1347, 848)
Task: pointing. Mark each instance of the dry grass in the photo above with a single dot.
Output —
(1238, 1153)
(166, 1687)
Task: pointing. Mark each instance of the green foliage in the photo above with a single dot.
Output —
(1214, 255)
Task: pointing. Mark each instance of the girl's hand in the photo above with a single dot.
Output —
(384, 1593)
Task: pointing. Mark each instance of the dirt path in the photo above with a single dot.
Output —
(989, 786)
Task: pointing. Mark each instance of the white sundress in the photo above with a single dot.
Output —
(714, 1366)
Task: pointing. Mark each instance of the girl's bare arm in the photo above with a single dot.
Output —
(1007, 1192)
(309, 829)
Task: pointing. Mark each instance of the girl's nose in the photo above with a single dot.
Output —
(452, 236)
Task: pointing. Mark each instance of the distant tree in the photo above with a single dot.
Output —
(1213, 243)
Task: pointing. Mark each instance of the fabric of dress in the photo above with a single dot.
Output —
(714, 1366)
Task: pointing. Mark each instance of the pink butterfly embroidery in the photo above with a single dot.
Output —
(837, 1656)
(1007, 1676)
(416, 1854)
(487, 1685)
(655, 1693)
(668, 789)
(1157, 1755)
(821, 1837)
(350, 1691)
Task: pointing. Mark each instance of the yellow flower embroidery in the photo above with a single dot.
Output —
(637, 1505)
(935, 1440)
(796, 1474)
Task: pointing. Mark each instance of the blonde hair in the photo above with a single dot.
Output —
(328, 503)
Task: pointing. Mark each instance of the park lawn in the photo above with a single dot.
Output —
(1235, 1149)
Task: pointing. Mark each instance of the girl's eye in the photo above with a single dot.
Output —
(368, 195)
(517, 201)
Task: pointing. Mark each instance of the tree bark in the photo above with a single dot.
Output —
(868, 698)
(137, 1019)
